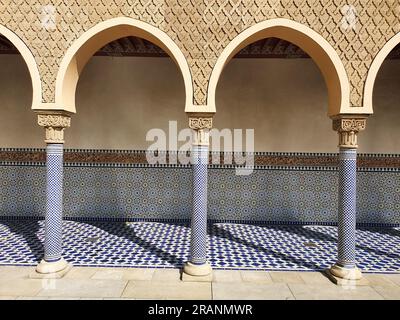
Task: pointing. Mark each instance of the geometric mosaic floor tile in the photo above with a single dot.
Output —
(231, 246)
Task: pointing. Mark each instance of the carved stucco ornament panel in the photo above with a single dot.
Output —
(348, 129)
(201, 129)
(54, 124)
(203, 28)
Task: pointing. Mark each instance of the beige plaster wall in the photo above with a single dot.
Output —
(17, 122)
(120, 99)
(285, 101)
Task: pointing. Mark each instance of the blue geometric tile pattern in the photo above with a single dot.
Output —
(232, 246)
(198, 241)
(54, 202)
(347, 207)
(280, 194)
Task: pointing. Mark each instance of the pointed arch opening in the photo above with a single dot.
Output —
(98, 36)
(307, 39)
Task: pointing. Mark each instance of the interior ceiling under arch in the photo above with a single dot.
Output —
(137, 47)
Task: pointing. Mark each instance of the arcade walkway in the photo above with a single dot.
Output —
(121, 283)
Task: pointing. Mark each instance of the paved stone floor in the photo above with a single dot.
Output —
(142, 283)
(231, 246)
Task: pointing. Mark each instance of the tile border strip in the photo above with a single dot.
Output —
(209, 221)
(181, 166)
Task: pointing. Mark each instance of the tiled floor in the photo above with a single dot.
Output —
(144, 283)
(166, 245)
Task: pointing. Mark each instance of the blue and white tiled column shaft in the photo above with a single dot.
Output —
(347, 208)
(198, 243)
(197, 264)
(54, 202)
(348, 128)
(54, 124)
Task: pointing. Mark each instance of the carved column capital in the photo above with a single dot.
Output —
(201, 127)
(200, 123)
(348, 128)
(54, 124)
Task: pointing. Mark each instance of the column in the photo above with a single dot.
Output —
(347, 128)
(54, 124)
(197, 266)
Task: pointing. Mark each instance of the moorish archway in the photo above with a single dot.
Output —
(58, 118)
(92, 40)
(348, 125)
(307, 39)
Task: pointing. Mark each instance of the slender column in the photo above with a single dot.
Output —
(54, 205)
(198, 265)
(347, 128)
(54, 124)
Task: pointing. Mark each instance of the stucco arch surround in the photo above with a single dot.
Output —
(96, 37)
(310, 41)
(30, 61)
(374, 70)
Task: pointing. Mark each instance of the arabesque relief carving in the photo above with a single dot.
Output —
(348, 129)
(54, 124)
(203, 28)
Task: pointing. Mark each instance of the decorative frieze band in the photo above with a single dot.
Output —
(88, 157)
(348, 129)
(54, 125)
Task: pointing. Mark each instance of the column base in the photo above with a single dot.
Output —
(345, 276)
(197, 273)
(56, 269)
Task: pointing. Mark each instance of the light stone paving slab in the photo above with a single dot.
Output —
(302, 291)
(378, 280)
(227, 276)
(64, 298)
(20, 287)
(85, 288)
(115, 299)
(142, 283)
(314, 278)
(395, 278)
(251, 291)
(256, 276)
(388, 292)
(32, 298)
(15, 272)
(140, 274)
(359, 293)
(166, 275)
(108, 274)
(168, 290)
(286, 277)
(81, 273)
(327, 292)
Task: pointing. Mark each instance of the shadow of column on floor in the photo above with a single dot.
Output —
(28, 229)
(120, 229)
(220, 232)
(318, 235)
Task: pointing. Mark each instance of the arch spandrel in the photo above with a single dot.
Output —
(374, 70)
